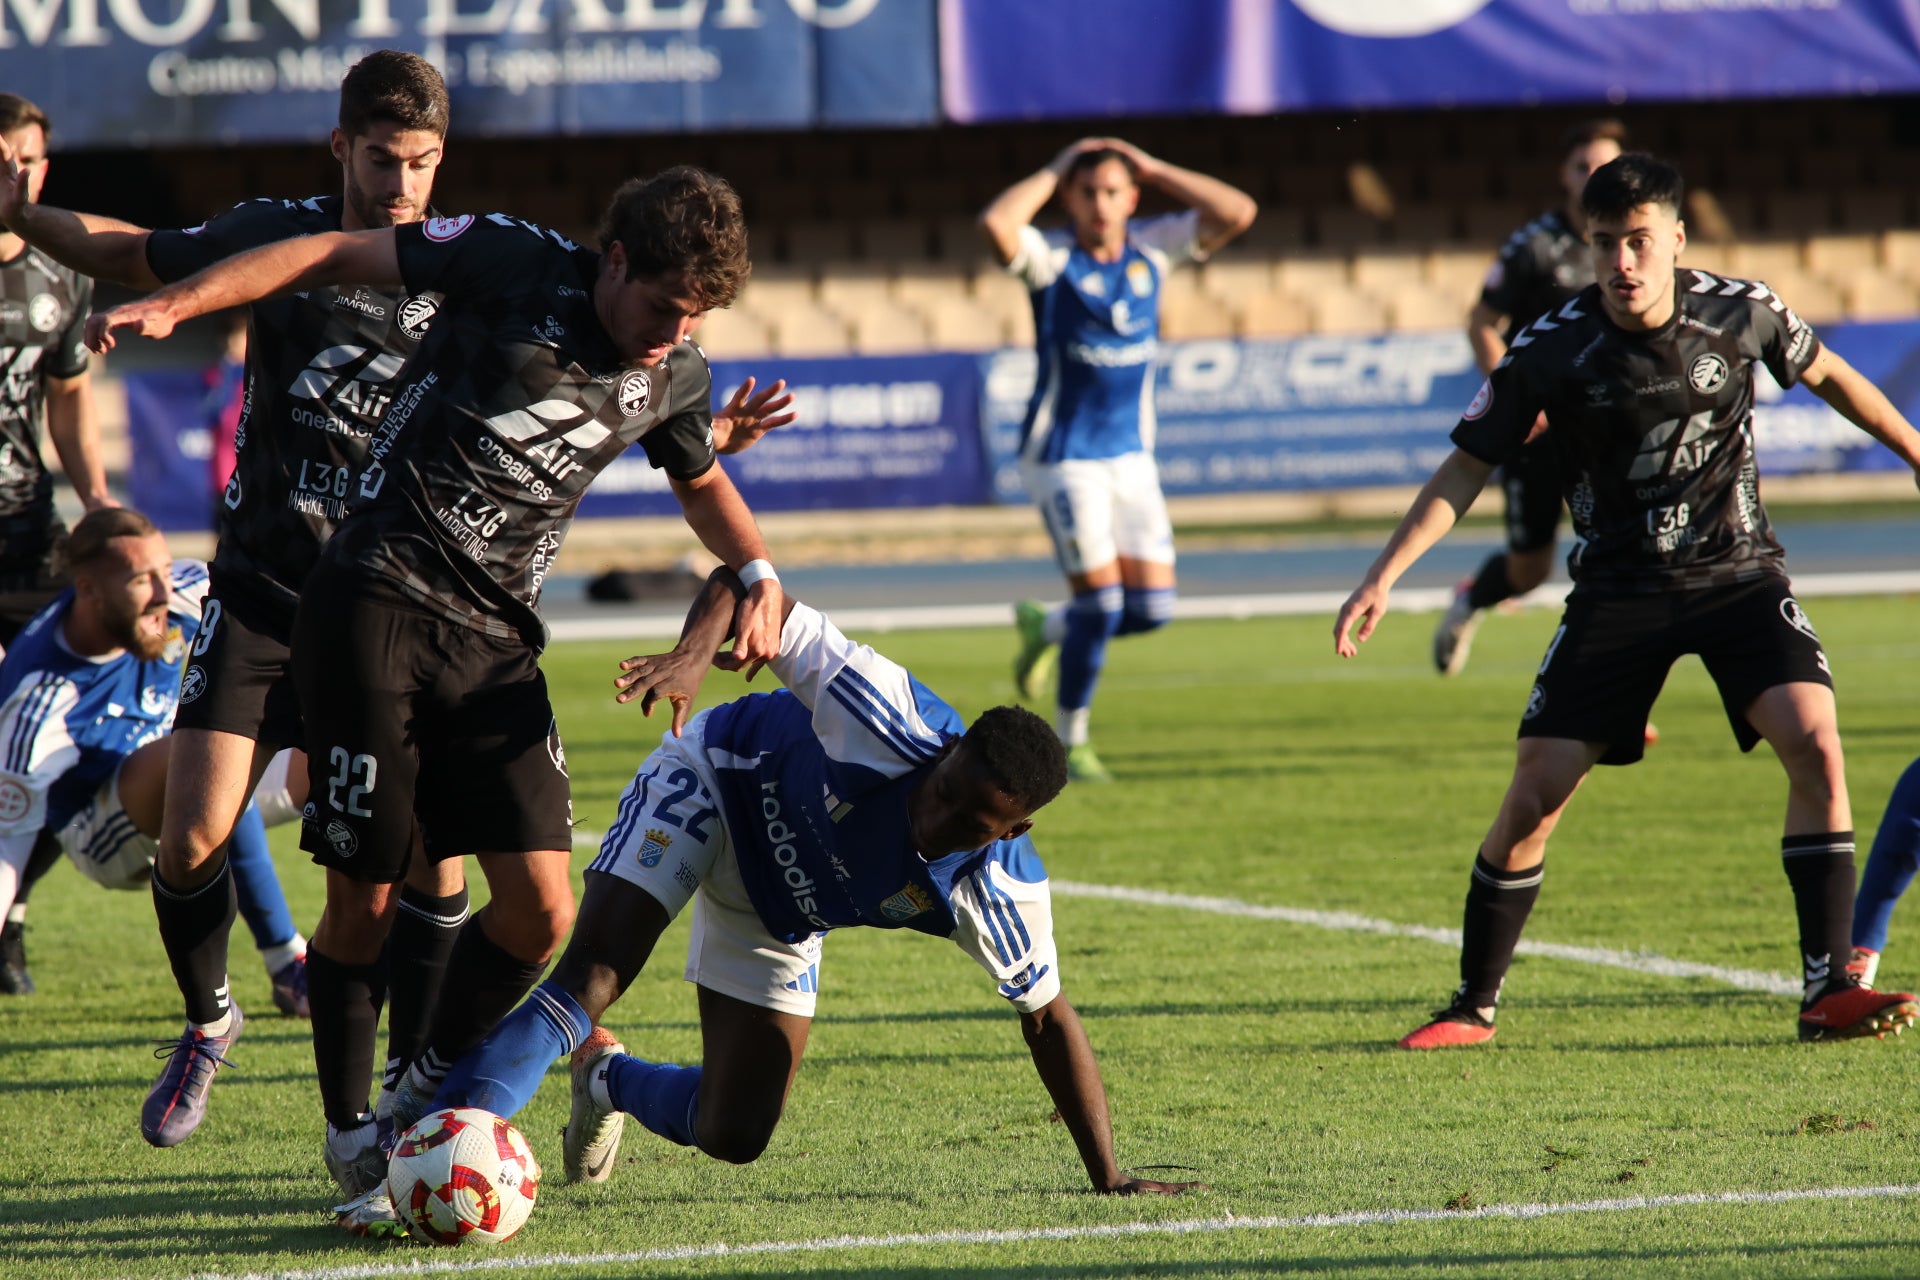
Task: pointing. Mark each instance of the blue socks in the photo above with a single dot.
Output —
(1891, 865)
(1092, 618)
(664, 1098)
(1145, 609)
(262, 903)
(502, 1074)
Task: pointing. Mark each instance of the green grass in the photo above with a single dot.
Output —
(1254, 766)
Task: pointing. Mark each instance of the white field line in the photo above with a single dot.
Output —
(1120, 1230)
(1272, 605)
(1778, 984)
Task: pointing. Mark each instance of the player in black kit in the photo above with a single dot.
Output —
(1541, 265)
(1646, 381)
(43, 375)
(417, 642)
(322, 369)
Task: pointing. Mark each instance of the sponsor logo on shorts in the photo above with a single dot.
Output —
(1708, 373)
(636, 389)
(441, 230)
(657, 842)
(1482, 401)
(43, 313)
(416, 314)
(341, 837)
(906, 904)
(556, 750)
(193, 684)
(1536, 703)
(1797, 618)
(14, 800)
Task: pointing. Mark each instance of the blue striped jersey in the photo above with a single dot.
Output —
(814, 781)
(1097, 329)
(66, 721)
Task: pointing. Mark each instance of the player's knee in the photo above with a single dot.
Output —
(1146, 609)
(189, 857)
(735, 1138)
(532, 930)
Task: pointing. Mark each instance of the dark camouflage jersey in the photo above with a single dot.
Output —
(1654, 431)
(516, 405)
(323, 367)
(1541, 265)
(43, 310)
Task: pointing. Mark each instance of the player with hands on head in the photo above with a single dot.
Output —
(854, 796)
(1086, 445)
(1646, 380)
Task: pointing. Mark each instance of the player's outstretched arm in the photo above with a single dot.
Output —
(719, 517)
(1011, 210)
(1442, 501)
(750, 415)
(101, 248)
(1066, 1064)
(306, 262)
(1225, 210)
(676, 676)
(1857, 400)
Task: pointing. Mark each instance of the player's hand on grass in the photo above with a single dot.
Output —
(673, 676)
(748, 416)
(142, 319)
(1367, 605)
(757, 623)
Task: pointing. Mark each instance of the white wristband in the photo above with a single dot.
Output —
(755, 570)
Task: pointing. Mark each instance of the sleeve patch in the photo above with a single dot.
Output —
(441, 230)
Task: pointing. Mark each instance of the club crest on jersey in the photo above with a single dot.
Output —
(656, 843)
(1482, 401)
(441, 230)
(636, 389)
(1536, 703)
(906, 904)
(193, 684)
(1708, 373)
(1139, 278)
(174, 647)
(1797, 618)
(14, 800)
(43, 313)
(415, 314)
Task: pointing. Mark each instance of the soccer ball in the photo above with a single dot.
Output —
(463, 1174)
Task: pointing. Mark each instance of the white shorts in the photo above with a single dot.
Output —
(669, 840)
(1098, 510)
(103, 842)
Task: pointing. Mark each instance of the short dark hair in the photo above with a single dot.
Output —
(683, 220)
(1021, 753)
(89, 539)
(1620, 186)
(1588, 132)
(1093, 158)
(17, 112)
(393, 87)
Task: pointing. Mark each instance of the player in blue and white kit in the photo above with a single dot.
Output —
(88, 693)
(1890, 870)
(1087, 444)
(854, 796)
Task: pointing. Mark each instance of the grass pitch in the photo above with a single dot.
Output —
(1256, 767)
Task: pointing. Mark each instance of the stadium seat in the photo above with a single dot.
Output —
(1419, 224)
(846, 287)
(1900, 251)
(1308, 275)
(1005, 299)
(1233, 280)
(895, 241)
(930, 284)
(1345, 227)
(808, 330)
(1384, 272)
(1813, 298)
(1277, 229)
(1275, 315)
(961, 324)
(1874, 295)
(734, 334)
(1459, 272)
(1347, 312)
(1841, 259)
(1490, 222)
(1421, 307)
(815, 243)
(1767, 260)
(959, 239)
(1875, 209)
(879, 326)
(1198, 315)
(1798, 213)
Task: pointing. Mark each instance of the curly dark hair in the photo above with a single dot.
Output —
(393, 87)
(1021, 753)
(89, 539)
(1093, 158)
(682, 220)
(17, 113)
(1636, 178)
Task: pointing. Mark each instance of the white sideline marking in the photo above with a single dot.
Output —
(1288, 604)
(1778, 984)
(1118, 1230)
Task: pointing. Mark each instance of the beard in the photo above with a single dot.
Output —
(372, 213)
(146, 643)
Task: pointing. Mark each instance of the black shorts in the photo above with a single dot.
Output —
(1532, 485)
(239, 673)
(31, 576)
(410, 715)
(1606, 663)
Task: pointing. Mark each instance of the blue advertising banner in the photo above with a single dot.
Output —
(135, 72)
(1795, 432)
(1017, 60)
(170, 421)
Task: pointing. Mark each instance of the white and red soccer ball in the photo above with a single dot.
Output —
(463, 1174)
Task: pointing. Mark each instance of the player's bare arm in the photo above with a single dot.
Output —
(676, 676)
(750, 415)
(1445, 497)
(102, 248)
(1864, 405)
(336, 257)
(1014, 208)
(1067, 1068)
(1487, 335)
(720, 519)
(1225, 210)
(74, 427)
